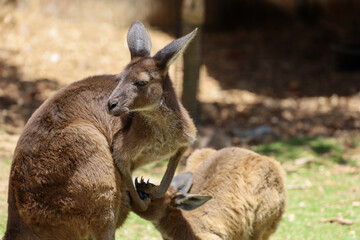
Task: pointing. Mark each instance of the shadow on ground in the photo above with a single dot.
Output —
(295, 61)
(19, 98)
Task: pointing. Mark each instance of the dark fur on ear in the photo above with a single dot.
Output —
(188, 202)
(138, 40)
(166, 56)
(183, 200)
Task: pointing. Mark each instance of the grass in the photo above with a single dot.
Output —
(324, 188)
(4, 176)
(328, 187)
(137, 228)
(320, 189)
(321, 148)
(329, 193)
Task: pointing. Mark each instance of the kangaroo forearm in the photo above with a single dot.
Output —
(125, 174)
(169, 174)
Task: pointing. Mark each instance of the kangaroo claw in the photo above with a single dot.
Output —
(144, 188)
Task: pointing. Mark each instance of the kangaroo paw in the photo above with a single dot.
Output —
(145, 189)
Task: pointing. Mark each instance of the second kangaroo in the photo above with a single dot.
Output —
(248, 198)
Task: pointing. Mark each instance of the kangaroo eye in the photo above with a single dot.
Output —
(141, 83)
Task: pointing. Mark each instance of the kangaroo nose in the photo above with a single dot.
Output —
(112, 105)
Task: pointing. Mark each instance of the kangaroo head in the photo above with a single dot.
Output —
(176, 197)
(140, 86)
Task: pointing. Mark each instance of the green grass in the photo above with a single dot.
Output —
(137, 228)
(4, 176)
(328, 194)
(327, 187)
(321, 148)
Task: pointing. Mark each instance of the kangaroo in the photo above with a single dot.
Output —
(247, 192)
(71, 171)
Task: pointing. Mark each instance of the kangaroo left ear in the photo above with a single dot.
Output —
(166, 56)
(138, 40)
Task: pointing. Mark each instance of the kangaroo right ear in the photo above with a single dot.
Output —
(166, 56)
(138, 40)
(190, 202)
(182, 182)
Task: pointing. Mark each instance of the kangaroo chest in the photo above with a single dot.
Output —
(155, 141)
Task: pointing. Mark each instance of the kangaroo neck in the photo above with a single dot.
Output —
(169, 99)
(176, 226)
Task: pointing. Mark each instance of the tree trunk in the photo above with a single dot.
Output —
(193, 12)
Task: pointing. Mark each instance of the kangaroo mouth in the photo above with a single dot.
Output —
(115, 109)
(120, 113)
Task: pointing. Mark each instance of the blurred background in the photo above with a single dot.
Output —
(281, 77)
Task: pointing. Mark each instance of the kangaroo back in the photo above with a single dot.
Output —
(248, 190)
(63, 183)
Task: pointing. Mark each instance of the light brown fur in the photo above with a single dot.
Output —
(249, 198)
(64, 183)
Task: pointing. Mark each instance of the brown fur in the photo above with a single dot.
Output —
(249, 198)
(63, 181)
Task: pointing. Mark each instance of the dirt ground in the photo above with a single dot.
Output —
(255, 85)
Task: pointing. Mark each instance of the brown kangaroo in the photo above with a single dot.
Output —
(64, 181)
(248, 198)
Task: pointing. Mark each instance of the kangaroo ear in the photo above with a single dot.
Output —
(166, 56)
(182, 182)
(138, 40)
(190, 202)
